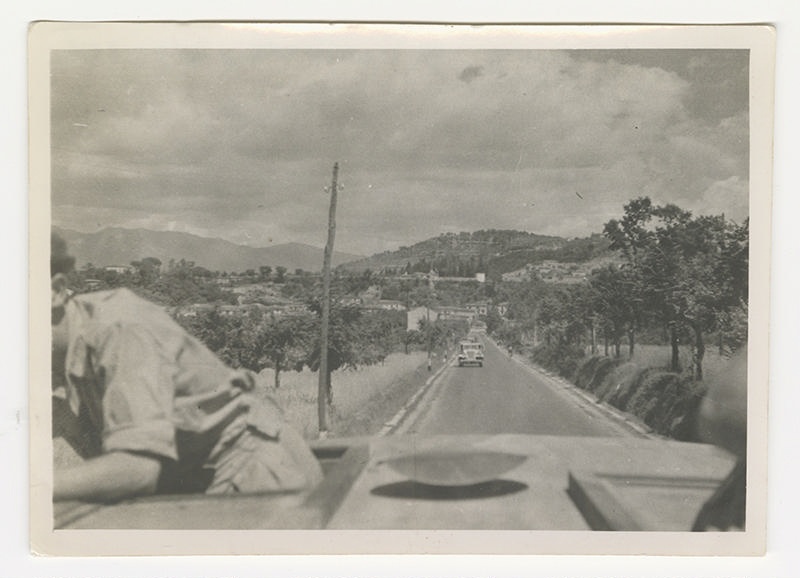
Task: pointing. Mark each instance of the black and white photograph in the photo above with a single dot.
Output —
(438, 282)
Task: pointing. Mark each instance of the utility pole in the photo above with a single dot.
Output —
(428, 329)
(428, 317)
(323, 391)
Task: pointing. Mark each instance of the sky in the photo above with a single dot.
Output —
(240, 144)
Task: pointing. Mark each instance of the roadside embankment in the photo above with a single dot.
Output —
(666, 402)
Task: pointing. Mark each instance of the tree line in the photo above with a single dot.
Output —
(257, 340)
(177, 283)
(677, 279)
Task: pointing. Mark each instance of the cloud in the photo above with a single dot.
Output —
(240, 144)
(729, 197)
(470, 73)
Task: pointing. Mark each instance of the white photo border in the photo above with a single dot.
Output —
(46, 36)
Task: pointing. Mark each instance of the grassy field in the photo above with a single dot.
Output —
(363, 399)
(659, 356)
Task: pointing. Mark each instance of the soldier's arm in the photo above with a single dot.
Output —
(109, 477)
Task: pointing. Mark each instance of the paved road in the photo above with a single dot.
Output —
(504, 396)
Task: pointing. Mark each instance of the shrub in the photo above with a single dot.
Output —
(624, 398)
(592, 372)
(667, 403)
(683, 425)
(617, 384)
(586, 372)
(654, 397)
(561, 357)
(605, 365)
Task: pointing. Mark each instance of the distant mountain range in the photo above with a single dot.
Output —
(493, 252)
(118, 246)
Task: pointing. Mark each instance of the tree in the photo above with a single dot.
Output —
(148, 269)
(381, 333)
(280, 274)
(692, 272)
(216, 332)
(432, 333)
(282, 342)
(613, 299)
(493, 320)
(265, 272)
(184, 283)
(344, 340)
(712, 278)
(652, 257)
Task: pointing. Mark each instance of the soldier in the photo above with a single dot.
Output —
(147, 408)
(723, 422)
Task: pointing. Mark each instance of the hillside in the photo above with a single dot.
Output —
(493, 252)
(585, 250)
(447, 252)
(118, 246)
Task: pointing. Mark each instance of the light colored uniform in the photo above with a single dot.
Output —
(138, 382)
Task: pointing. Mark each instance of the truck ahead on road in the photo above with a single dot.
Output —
(478, 326)
(470, 353)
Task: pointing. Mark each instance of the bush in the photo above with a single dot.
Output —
(655, 397)
(625, 399)
(586, 371)
(667, 402)
(616, 387)
(562, 358)
(664, 401)
(604, 367)
(683, 425)
(591, 373)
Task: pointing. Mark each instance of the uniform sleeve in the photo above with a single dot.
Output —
(139, 392)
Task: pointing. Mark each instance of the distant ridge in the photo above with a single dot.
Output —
(493, 252)
(482, 246)
(119, 246)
